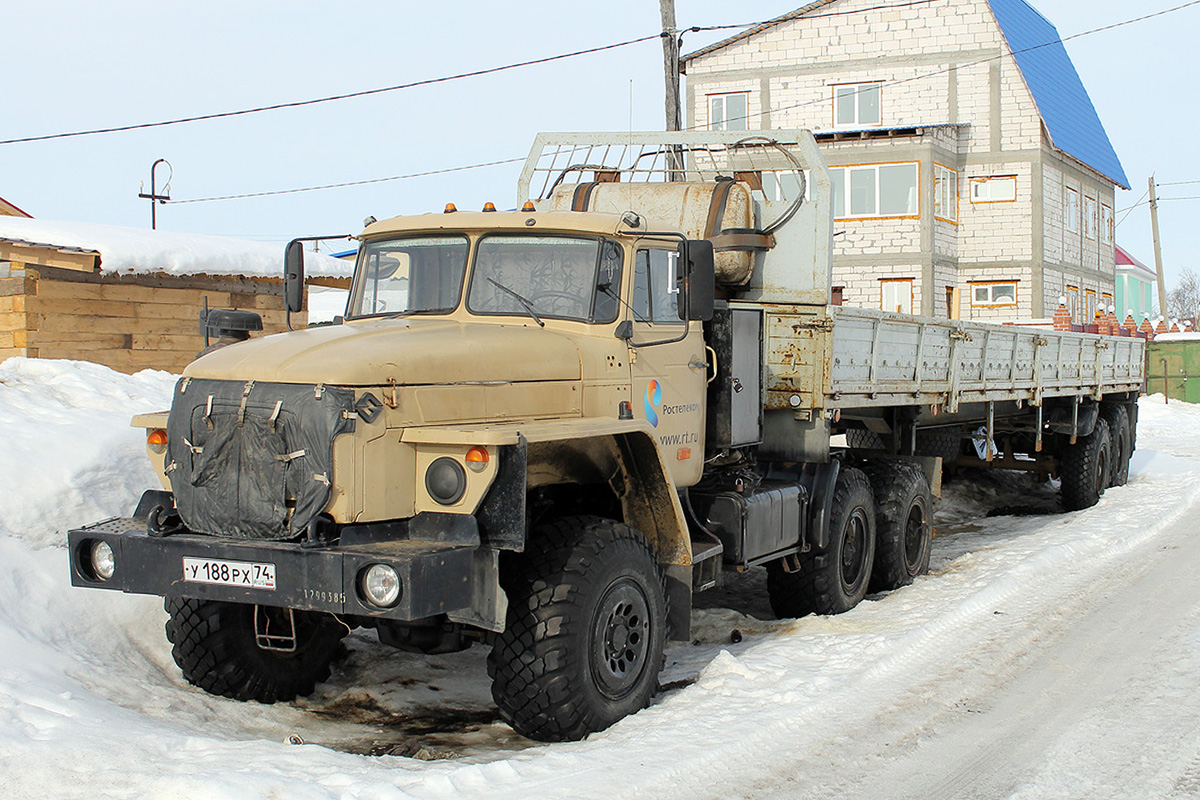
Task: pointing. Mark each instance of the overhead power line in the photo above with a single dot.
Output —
(330, 98)
(349, 183)
(888, 7)
(1101, 29)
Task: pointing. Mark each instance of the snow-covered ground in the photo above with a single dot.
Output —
(1045, 656)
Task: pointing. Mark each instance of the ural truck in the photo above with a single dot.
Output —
(545, 430)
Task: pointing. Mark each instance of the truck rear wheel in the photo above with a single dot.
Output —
(1122, 443)
(586, 630)
(216, 647)
(834, 581)
(1084, 468)
(903, 523)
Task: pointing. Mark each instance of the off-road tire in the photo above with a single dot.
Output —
(1122, 443)
(863, 439)
(586, 629)
(944, 443)
(836, 580)
(903, 523)
(1084, 468)
(214, 646)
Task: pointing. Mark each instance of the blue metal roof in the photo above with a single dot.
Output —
(1066, 109)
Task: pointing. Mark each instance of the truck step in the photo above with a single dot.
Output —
(706, 561)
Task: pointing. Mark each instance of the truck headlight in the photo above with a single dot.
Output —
(446, 481)
(104, 563)
(380, 585)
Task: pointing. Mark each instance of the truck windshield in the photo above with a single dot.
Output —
(413, 275)
(563, 277)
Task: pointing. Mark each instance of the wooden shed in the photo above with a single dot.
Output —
(134, 299)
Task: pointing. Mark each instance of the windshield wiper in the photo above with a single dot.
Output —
(528, 305)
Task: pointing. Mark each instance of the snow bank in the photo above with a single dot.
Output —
(137, 250)
(69, 453)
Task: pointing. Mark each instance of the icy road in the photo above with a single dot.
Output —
(1045, 656)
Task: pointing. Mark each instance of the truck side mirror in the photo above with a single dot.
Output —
(697, 280)
(293, 276)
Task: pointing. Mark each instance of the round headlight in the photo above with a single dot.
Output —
(380, 586)
(446, 481)
(104, 564)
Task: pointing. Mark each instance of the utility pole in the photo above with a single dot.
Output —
(670, 43)
(154, 196)
(1158, 262)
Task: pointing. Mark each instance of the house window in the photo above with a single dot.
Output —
(857, 104)
(1089, 217)
(994, 189)
(1106, 224)
(993, 294)
(875, 190)
(896, 295)
(1090, 308)
(1073, 301)
(784, 186)
(1071, 212)
(945, 193)
(728, 112)
(1106, 300)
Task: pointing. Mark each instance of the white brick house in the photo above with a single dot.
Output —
(973, 177)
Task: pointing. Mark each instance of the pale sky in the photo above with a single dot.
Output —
(71, 65)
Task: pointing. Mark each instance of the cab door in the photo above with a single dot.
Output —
(667, 362)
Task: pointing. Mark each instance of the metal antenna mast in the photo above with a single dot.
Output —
(154, 196)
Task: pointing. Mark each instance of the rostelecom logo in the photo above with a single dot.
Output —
(653, 401)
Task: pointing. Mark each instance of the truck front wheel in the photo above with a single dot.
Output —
(226, 650)
(586, 630)
(834, 581)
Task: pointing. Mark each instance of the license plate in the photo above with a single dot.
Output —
(246, 574)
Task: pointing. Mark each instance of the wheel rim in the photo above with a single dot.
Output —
(620, 638)
(1102, 460)
(854, 551)
(914, 538)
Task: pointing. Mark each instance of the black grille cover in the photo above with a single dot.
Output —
(239, 454)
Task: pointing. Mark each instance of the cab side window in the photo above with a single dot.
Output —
(655, 293)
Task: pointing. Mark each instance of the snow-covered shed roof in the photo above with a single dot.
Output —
(125, 251)
(1062, 101)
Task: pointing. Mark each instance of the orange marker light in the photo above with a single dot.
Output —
(156, 440)
(528, 206)
(450, 208)
(683, 454)
(489, 206)
(477, 459)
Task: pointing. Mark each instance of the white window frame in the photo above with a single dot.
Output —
(991, 300)
(1107, 228)
(844, 176)
(1071, 210)
(886, 284)
(1090, 221)
(773, 187)
(858, 90)
(993, 189)
(721, 99)
(945, 193)
(1073, 304)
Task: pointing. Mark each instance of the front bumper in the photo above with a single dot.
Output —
(436, 577)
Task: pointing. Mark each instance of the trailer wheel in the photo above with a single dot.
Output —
(863, 439)
(216, 648)
(1084, 468)
(903, 523)
(834, 581)
(1122, 444)
(943, 443)
(586, 630)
